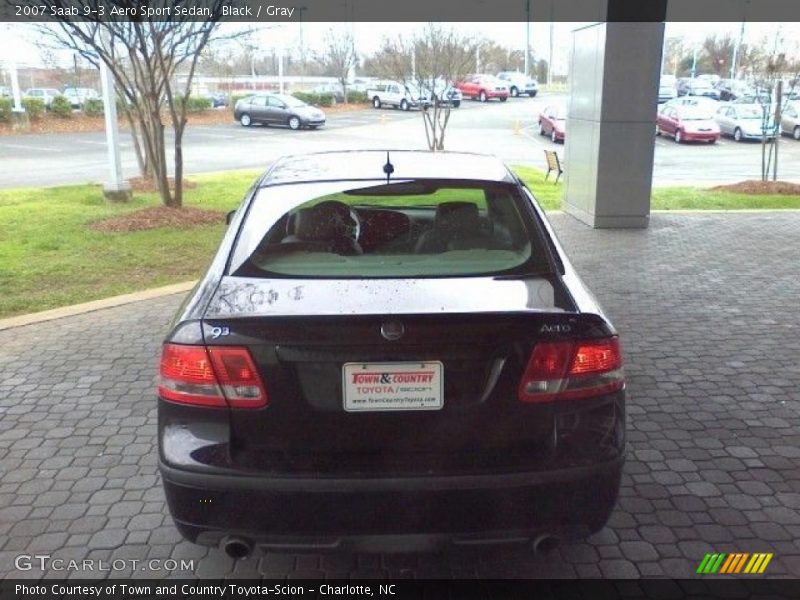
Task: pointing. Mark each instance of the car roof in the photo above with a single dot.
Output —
(368, 165)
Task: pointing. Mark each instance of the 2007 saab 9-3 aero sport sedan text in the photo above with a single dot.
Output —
(390, 350)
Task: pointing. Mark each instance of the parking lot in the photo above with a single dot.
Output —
(711, 358)
(508, 130)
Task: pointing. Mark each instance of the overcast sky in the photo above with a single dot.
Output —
(18, 40)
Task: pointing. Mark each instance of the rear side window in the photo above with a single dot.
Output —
(406, 229)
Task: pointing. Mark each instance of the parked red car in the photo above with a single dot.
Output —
(483, 88)
(688, 124)
(553, 122)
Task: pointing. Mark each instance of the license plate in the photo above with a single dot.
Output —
(393, 386)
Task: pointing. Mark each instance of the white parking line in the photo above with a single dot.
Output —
(349, 121)
(216, 135)
(36, 148)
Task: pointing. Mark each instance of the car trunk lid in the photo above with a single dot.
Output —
(303, 333)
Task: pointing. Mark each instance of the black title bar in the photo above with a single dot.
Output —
(233, 589)
(282, 11)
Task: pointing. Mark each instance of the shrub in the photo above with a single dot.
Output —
(194, 104)
(236, 97)
(61, 107)
(6, 106)
(316, 99)
(33, 106)
(304, 96)
(93, 107)
(356, 97)
(198, 104)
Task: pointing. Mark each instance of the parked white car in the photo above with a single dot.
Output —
(745, 122)
(790, 120)
(396, 94)
(444, 92)
(519, 84)
(46, 95)
(77, 96)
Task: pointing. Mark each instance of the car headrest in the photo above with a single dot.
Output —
(461, 217)
(325, 221)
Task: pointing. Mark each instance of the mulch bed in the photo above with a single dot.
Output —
(80, 123)
(757, 187)
(143, 186)
(160, 216)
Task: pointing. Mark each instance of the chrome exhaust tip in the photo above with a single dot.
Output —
(237, 547)
(544, 544)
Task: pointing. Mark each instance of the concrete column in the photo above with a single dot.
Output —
(614, 75)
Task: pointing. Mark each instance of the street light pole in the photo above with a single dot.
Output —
(280, 68)
(300, 10)
(527, 35)
(550, 56)
(12, 68)
(252, 71)
(736, 51)
(116, 189)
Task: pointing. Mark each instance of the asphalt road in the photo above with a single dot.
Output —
(508, 130)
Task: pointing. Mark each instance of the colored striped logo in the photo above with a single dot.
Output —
(737, 562)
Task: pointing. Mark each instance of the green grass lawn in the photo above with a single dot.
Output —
(666, 198)
(49, 257)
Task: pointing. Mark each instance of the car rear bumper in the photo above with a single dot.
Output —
(403, 513)
(756, 136)
(700, 136)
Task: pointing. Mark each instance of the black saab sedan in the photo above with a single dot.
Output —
(390, 351)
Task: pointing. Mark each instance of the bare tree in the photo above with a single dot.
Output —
(674, 54)
(717, 55)
(144, 55)
(496, 58)
(429, 64)
(774, 97)
(339, 56)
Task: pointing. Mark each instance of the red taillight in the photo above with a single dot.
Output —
(238, 376)
(216, 376)
(596, 356)
(570, 370)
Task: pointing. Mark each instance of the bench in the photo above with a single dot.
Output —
(553, 164)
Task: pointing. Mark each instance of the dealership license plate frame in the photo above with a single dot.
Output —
(355, 402)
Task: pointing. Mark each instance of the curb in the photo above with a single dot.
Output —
(87, 307)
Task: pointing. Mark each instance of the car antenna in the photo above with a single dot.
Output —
(388, 168)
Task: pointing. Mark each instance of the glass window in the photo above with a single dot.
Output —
(417, 228)
(750, 112)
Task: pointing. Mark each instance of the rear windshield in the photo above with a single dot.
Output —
(750, 113)
(402, 229)
(696, 113)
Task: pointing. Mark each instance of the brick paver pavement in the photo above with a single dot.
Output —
(707, 305)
